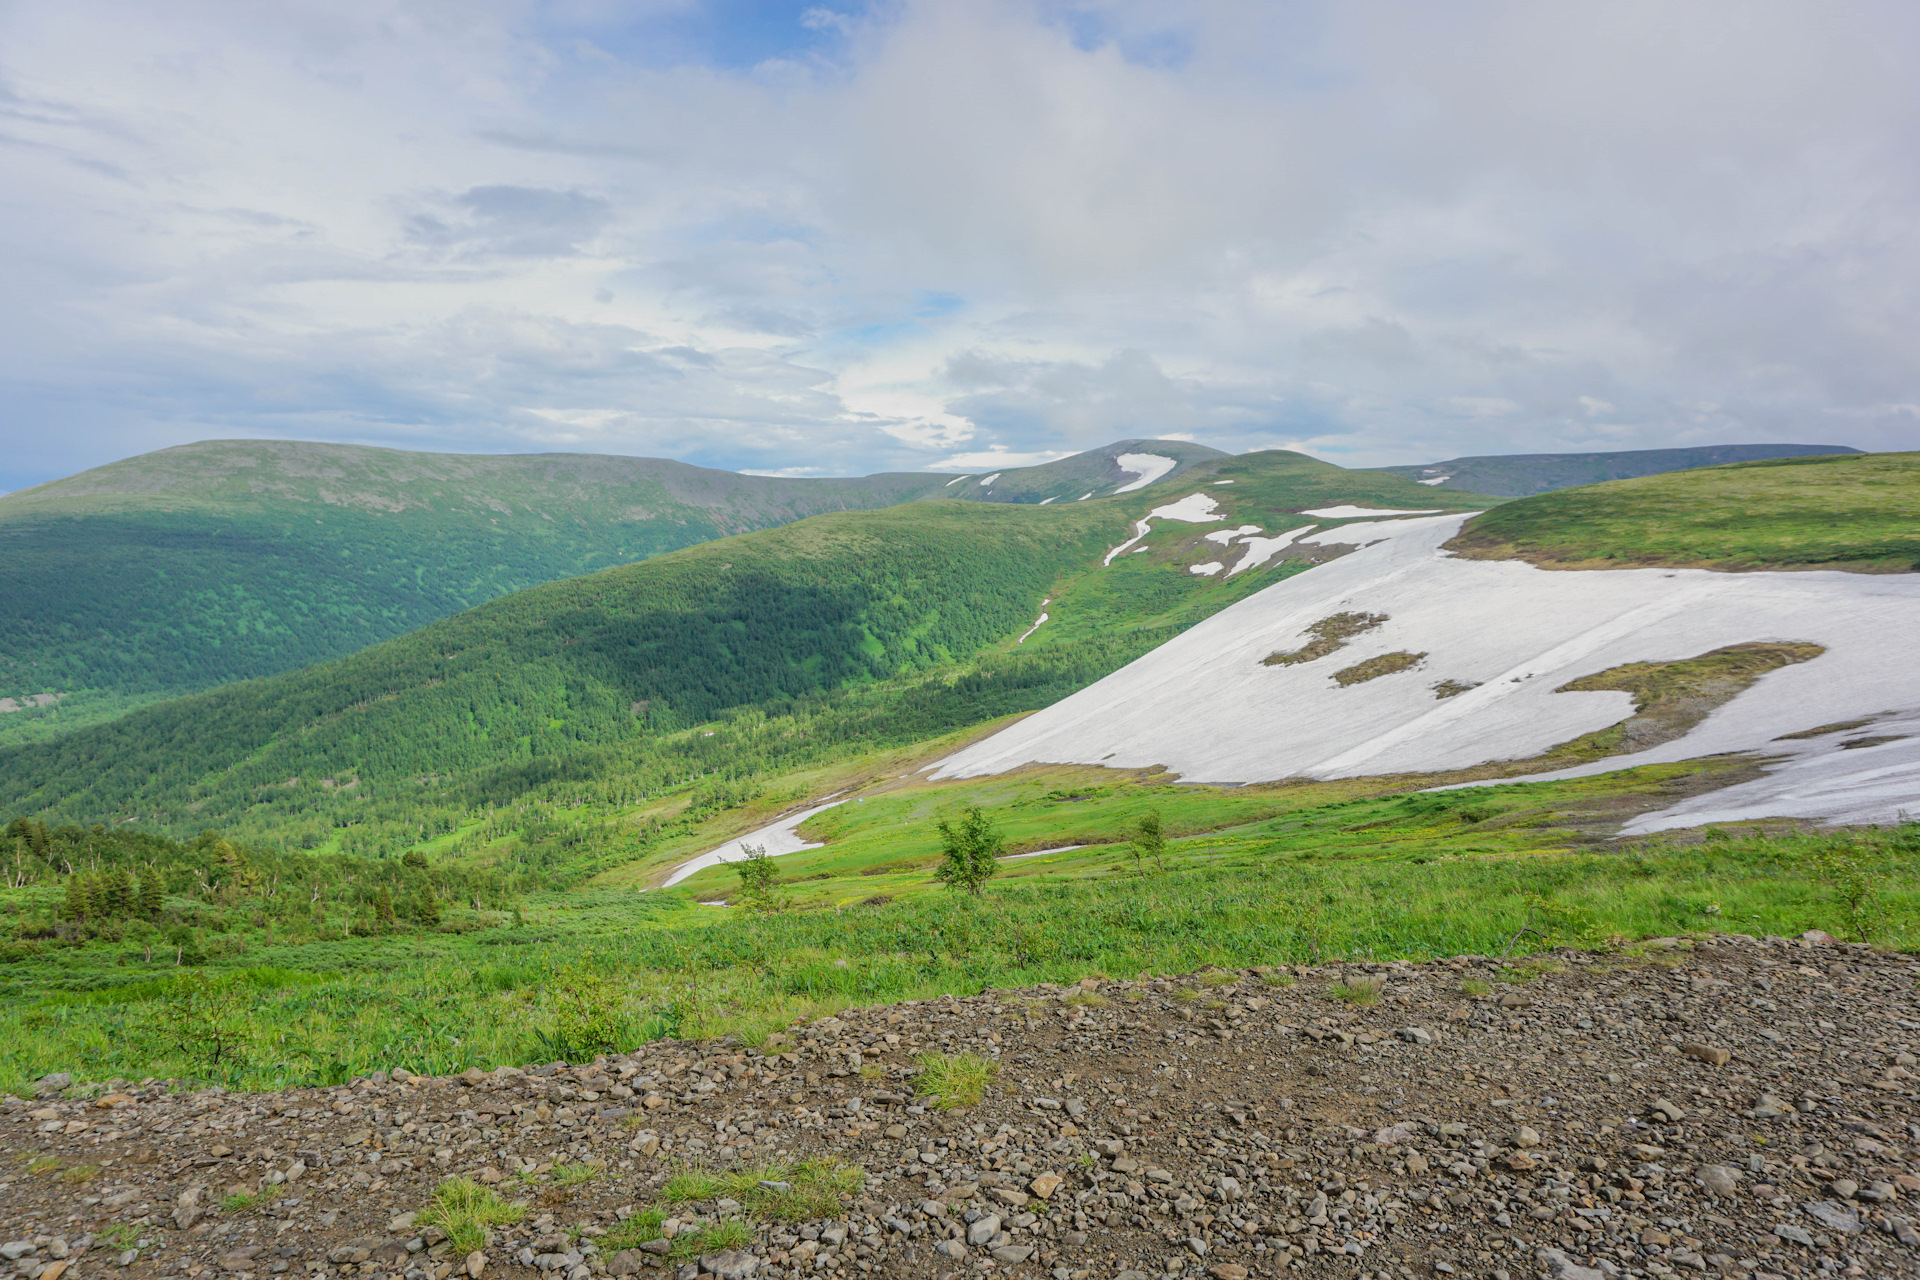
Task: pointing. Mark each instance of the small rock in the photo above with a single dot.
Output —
(472, 1076)
(1196, 1246)
(1709, 1054)
(476, 1263)
(627, 1262)
(1718, 1179)
(1667, 1110)
(48, 1086)
(14, 1250)
(1798, 1235)
(1820, 938)
(1045, 1185)
(1845, 1188)
(1834, 1217)
(734, 1264)
(1517, 1162)
(984, 1230)
(1526, 1136)
(1415, 1035)
(1013, 1253)
(1394, 1134)
(1771, 1107)
(1227, 1271)
(1565, 1268)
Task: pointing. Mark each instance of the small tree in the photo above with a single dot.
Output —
(971, 850)
(1149, 841)
(759, 878)
(153, 895)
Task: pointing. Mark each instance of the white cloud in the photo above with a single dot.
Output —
(1383, 233)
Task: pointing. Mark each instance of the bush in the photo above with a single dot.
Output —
(970, 850)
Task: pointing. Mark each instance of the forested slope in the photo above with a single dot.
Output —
(721, 662)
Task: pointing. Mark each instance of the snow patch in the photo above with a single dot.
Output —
(1083, 497)
(1204, 706)
(1195, 508)
(1206, 570)
(990, 479)
(1220, 482)
(1045, 501)
(1036, 622)
(1351, 512)
(956, 480)
(1144, 467)
(1435, 480)
(1224, 536)
(1261, 550)
(778, 840)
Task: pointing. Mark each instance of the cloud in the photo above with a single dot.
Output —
(861, 237)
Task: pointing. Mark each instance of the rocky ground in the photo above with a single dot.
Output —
(1731, 1105)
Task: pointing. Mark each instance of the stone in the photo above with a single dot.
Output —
(1197, 1247)
(1798, 1235)
(1712, 1055)
(1833, 1216)
(472, 1076)
(1227, 1271)
(1666, 1110)
(1526, 1136)
(1718, 1179)
(1008, 1196)
(184, 1216)
(1771, 1107)
(733, 1264)
(983, 1230)
(1517, 1162)
(1845, 1188)
(1561, 1267)
(14, 1250)
(1394, 1134)
(627, 1262)
(1415, 1035)
(53, 1084)
(952, 1248)
(659, 1246)
(1045, 1185)
(1820, 938)
(1013, 1253)
(476, 1263)
(403, 1223)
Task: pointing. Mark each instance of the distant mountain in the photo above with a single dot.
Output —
(1520, 475)
(722, 660)
(1121, 467)
(231, 559)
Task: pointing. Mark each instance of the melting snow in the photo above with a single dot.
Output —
(1206, 570)
(956, 480)
(1045, 501)
(1261, 550)
(1145, 467)
(1083, 497)
(1204, 706)
(1435, 480)
(990, 479)
(1224, 536)
(1195, 508)
(1351, 512)
(1036, 622)
(778, 840)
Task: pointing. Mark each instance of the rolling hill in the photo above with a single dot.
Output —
(877, 626)
(1520, 475)
(226, 560)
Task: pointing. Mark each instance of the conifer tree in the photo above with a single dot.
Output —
(153, 895)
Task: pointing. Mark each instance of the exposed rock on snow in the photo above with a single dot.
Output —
(1205, 707)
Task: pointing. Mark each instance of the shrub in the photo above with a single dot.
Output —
(970, 850)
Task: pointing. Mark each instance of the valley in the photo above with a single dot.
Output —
(1254, 718)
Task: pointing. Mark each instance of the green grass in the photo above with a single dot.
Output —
(1361, 991)
(465, 1209)
(1843, 511)
(1255, 877)
(805, 1190)
(953, 1080)
(576, 1173)
(1475, 987)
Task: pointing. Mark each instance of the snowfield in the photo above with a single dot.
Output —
(1350, 512)
(1204, 706)
(778, 839)
(1145, 468)
(1195, 508)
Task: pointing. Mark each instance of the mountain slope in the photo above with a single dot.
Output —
(1402, 658)
(862, 626)
(1521, 475)
(1121, 467)
(226, 560)
(1858, 511)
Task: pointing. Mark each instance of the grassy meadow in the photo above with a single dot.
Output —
(1258, 876)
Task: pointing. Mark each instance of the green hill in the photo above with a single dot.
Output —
(1855, 511)
(230, 559)
(871, 627)
(1520, 475)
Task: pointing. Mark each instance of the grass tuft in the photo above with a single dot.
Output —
(1475, 987)
(575, 1173)
(1359, 990)
(464, 1210)
(954, 1079)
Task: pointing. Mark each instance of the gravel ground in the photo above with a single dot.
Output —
(1728, 1105)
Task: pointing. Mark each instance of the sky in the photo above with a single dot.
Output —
(834, 239)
